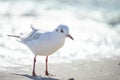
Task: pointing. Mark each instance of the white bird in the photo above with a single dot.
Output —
(45, 44)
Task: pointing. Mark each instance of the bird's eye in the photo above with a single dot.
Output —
(61, 31)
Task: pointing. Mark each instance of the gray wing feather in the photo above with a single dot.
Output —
(32, 36)
(35, 36)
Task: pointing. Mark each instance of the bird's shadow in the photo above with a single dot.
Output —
(36, 77)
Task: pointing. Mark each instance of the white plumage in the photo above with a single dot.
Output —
(44, 44)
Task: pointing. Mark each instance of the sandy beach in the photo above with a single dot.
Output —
(106, 69)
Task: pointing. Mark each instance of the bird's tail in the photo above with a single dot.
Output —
(14, 36)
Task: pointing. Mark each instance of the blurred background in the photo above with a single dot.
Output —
(94, 24)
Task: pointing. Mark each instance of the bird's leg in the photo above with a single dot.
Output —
(33, 72)
(46, 71)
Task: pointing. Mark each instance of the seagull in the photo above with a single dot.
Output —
(45, 44)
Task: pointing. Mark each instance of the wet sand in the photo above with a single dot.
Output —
(106, 69)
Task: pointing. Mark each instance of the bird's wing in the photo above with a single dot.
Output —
(35, 34)
(32, 36)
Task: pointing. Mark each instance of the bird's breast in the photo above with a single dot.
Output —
(45, 47)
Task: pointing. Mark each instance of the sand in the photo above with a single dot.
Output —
(106, 69)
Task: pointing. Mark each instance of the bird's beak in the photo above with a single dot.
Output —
(70, 36)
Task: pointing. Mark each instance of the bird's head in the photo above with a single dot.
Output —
(64, 30)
